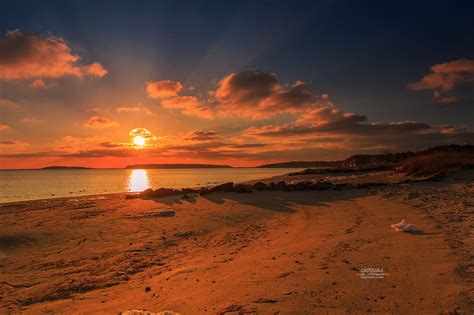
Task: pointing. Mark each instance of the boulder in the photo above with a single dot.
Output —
(189, 191)
(272, 186)
(341, 186)
(321, 185)
(242, 188)
(161, 214)
(163, 192)
(226, 187)
(259, 186)
(146, 193)
(281, 185)
(204, 190)
(298, 186)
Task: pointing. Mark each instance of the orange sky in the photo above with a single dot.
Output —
(60, 107)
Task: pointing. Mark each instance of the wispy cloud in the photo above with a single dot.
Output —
(138, 109)
(4, 127)
(100, 122)
(444, 78)
(201, 135)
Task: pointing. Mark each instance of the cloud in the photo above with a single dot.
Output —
(12, 143)
(32, 57)
(6, 103)
(30, 120)
(444, 99)
(346, 126)
(77, 143)
(327, 114)
(142, 132)
(108, 144)
(4, 127)
(444, 78)
(189, 105)
(95, 69)
(201, 135)
(100, 122)
(143, 110)
(38, 84)
(259, 95)
(251, 94)
(163, 89)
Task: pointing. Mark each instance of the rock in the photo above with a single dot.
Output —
(340, 186)
(281, 185)
(272, 186)
(370, 184)
(146, 192)
(321, 185)
(204, 191)
(298, 186)
(412, 195)
(185, 196)
(242, 188)
(226, 187)
(266, 300)
(163, 192)
(436, 177)
(259, 186)
(189, 191)
(161, 214)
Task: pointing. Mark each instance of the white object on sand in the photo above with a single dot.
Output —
(403, 226)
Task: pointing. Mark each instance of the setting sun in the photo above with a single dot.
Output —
(139, 141)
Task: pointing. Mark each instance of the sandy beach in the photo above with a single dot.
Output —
(265, 252)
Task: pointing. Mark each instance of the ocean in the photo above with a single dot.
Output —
(20, 185)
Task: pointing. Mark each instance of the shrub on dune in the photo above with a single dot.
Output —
(437, 162)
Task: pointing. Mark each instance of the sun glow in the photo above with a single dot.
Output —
(139, 141)
(138, 181)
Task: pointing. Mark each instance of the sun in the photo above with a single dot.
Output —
(139, 141)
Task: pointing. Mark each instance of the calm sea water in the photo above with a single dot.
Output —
(39, 184)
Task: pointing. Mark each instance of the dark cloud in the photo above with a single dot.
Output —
(115, 144)
(347, 126)
(201, 135)
(259, 95)
(30, 57)
(100, 122)
(12, 142)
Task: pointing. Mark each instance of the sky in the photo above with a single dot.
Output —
(114, 83)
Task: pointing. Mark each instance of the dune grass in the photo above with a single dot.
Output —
(437, 162)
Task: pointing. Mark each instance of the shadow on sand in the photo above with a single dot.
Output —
(279, 201)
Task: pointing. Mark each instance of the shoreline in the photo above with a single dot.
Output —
(260, 252)
(287, 177)
(123, 183)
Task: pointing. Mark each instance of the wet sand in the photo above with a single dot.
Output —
(268, 252)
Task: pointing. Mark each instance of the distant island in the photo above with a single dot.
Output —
(175, 166)
(302, 164)
(54, 167)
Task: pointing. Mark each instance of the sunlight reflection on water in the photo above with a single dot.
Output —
(138, 181)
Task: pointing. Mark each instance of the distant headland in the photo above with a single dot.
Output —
(175, 166)
(56, 167)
